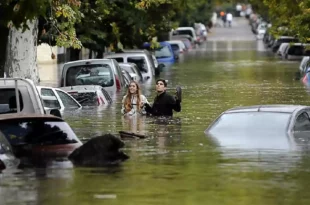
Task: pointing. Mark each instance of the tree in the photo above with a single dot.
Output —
(294, 15)
(19, 20)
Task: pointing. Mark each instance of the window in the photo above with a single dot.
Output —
(49, 98)
(47, 92)
(90, 74)
(140, 62)
(67, 101)
(37, 131)
(302, 122)
(163, 52)
(8, 101)
(119, 60)
(175, 47)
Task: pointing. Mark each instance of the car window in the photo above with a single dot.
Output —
(140, 62)
(49, 98)
(47, 92)
(67, 101)
(119, 73)
(175, 47)
(119, 60)
(163, 52)
(37, 131)
(302, 122)
(252, 122)
(90, 74)
(8, 101)
(183, 32)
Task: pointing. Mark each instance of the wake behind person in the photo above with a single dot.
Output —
(164, 103)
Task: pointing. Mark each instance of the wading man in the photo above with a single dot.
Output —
(164, 103)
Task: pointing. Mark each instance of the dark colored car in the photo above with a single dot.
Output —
(38, 135)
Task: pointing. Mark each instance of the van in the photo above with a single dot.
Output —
(145, 65)
(84, 73)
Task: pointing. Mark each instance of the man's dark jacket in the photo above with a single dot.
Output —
(163, 105)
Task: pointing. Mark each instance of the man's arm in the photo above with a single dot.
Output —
(148, 108)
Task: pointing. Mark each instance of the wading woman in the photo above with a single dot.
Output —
(133, 101)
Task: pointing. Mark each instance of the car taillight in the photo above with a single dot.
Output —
(118, 83)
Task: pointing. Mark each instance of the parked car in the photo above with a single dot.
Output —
(103, 72)
(94, 95)
(304, 64)
(262, 127)
(58, 99)
(133, 71)
(295, 51)
(127, 77)
(27, 100)
(164, 54)
(282, 39)
(150, 55)
(177, 44)
(144, 63)
(37, 135)
(187, 31)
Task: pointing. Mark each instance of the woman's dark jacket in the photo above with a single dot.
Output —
(163, 105)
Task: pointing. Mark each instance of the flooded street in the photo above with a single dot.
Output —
(178, 163)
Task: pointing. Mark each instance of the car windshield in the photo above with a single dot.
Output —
(183, 32)
(175, 47)
(163, 52)
(37, 131)
(140, 62)
(91, 74)
(252, 121)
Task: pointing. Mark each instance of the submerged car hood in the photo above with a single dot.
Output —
(259, 139)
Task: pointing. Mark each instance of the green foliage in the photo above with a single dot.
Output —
(60, 16)
(96, 24)
(293, 15)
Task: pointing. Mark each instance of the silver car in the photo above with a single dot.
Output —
(276, 127)
(144, 63)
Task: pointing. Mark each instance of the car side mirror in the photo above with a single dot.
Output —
(55, 112)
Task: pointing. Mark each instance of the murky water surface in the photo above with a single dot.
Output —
(177, 163)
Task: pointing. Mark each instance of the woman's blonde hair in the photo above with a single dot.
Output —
(127, 103)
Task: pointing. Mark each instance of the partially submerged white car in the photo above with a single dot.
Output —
(58, 99)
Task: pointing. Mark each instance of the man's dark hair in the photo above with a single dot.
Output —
(162, 80)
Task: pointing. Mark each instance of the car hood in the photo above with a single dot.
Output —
(258, 139)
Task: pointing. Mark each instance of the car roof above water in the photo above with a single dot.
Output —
(268, 108)
(29, 116)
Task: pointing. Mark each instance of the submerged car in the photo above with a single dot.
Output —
(262, 127)
(58, 99)
(38, 135)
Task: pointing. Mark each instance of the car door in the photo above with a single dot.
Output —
(68, 101)
(50, 99)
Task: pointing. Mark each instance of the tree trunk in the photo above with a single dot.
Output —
(3, 41)
(74, 54)
(21, 53)
(99, 54)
